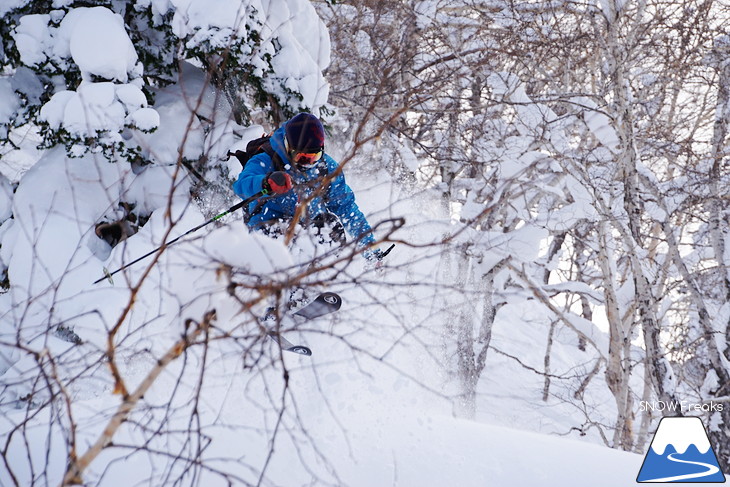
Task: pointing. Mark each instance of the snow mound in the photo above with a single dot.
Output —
(98, 43)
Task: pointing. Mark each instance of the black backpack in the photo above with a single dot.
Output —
(257, 146)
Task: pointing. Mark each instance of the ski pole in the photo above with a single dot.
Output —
(387, 251)
(108, 275)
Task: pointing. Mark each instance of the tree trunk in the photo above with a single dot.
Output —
(618, 366)
(720, 431)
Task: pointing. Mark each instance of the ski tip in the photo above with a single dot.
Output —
(300, 349)
(333, 299)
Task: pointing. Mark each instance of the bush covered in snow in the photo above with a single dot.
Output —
(89, 75)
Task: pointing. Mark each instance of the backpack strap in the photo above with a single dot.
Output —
(275, 158)
(257, 146)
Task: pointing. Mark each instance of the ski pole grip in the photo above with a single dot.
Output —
(387, 251)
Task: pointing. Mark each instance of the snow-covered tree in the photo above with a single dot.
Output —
(116, 120)
(616, 111)
(90, 74)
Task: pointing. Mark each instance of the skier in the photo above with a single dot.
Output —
(293, 170)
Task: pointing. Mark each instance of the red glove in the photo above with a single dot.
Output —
(278, 182)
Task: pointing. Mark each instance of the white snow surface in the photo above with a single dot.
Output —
(292, 35)
(8, 5)
(365, 436)
(371, 407)
(98, 43)
(32, 38)
(10, 101)
(93, 38)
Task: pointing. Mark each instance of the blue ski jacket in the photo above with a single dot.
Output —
(338, 198)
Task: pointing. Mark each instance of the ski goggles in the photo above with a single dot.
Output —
(306, 159)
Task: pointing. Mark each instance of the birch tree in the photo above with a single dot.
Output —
(627, 98)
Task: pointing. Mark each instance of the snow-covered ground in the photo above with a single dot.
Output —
(372, 406)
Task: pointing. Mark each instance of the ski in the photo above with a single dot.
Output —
(288, 346)
(322, 305)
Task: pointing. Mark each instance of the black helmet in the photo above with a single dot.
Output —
(304, 140)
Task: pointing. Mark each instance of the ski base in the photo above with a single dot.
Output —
(322, 305)
(288, 346)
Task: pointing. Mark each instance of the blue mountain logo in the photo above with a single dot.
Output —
(680, 452)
